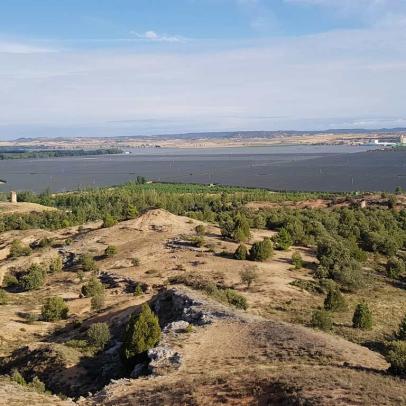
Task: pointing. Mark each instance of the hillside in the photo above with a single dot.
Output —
(227, 356)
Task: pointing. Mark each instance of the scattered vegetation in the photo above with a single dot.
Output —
(88, 263)
(241, 252)
(54, 309)
(19, 249)
(34, 278)
(248, 276)
(335, 301)
(297, 260)
(110, 251)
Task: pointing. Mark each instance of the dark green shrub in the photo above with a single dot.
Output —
(396, 357)
(241, 252)
(88, 263)
(297, 260)
(142, 333)
(18, 249)
(261, 251)
(401, 334)
(395, 267)
(54, 309)
(283, 240)
(3, 297)
(93, 288)
(110, 251)
(335, 301)
(248, 276)
(33, 279)
(109, 221)
(321, 319)
(362, 317)
(98, 335)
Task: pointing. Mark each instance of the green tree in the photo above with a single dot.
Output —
(321, 319)
(335, 301)
(54, 309)
(98, 335)
(283, 240)
(142, 333)
(297, 260)
(241, 252)
(34, 278)
(261, 251)
(362, 317)
(110, 251)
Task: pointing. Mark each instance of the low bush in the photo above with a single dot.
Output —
(98, 335)
(261, 251)
(34, 278)
(88, 263)
(335, 301)
(18, 249)
(55, 265)
(321, 319)
(93, 288)
(110, 251)
(10, 280)
(54, 309)
(74, 343)
(200, 229)
(97, 302)
(135, 261)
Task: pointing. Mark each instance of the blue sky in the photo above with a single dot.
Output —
(127, 67)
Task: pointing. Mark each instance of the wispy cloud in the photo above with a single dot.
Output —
(10, 47)
(153, 36)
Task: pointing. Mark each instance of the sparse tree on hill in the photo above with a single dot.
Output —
(142, 333)
(362, 318)
(335, 301)
(297, 260)
(110, 251)
(321, 319)
(283, 240)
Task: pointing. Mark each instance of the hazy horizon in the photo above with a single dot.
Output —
(121, 68)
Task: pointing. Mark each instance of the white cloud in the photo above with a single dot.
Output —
(353, 76)
(154, 36)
